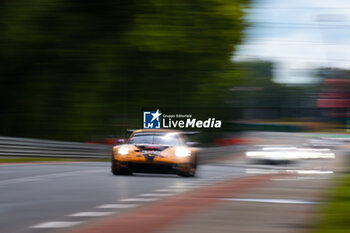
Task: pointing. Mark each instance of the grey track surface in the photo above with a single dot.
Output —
(32, 194)
(37, 193)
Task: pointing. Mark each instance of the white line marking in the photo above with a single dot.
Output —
(300, 178)
(138, 199)
(156, 194)
(286, 179)
(46, 176)
(186, 186)
(261, 171)
(117, 206)
(55, 224)
(90, 214)
(310, 172)
(170, 190)
(275, 201)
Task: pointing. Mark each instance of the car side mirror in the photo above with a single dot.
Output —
(121, 141)
(192, 143)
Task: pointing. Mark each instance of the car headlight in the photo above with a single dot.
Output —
(182, 152)
(123, 150)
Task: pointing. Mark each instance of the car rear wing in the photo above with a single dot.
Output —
(130, 130)
(189, 133)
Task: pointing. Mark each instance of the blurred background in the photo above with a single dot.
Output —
(78, 71)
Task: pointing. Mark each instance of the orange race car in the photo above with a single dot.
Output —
(155, 151)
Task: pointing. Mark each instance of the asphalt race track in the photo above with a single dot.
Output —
(61, 196)
(32, 194)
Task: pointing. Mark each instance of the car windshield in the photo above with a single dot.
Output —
(157, 139)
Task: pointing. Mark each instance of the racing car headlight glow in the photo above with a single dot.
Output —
(182, 152)
(123, 150)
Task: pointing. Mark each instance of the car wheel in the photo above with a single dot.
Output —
(191, 171)
(116, 170)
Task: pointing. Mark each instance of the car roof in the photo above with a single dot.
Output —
(157, 131)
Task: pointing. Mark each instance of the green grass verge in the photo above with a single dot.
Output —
(46, 159)
(336, 216)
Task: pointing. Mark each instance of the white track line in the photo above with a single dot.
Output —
(262, 171)
(309, 172)
(91, 214)
(300, 178)
(44, 177)
(117, 206)
(170, 190)
(187, 186)
(274, 201)
(156, 194)
(56, 224)
(138, 199)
